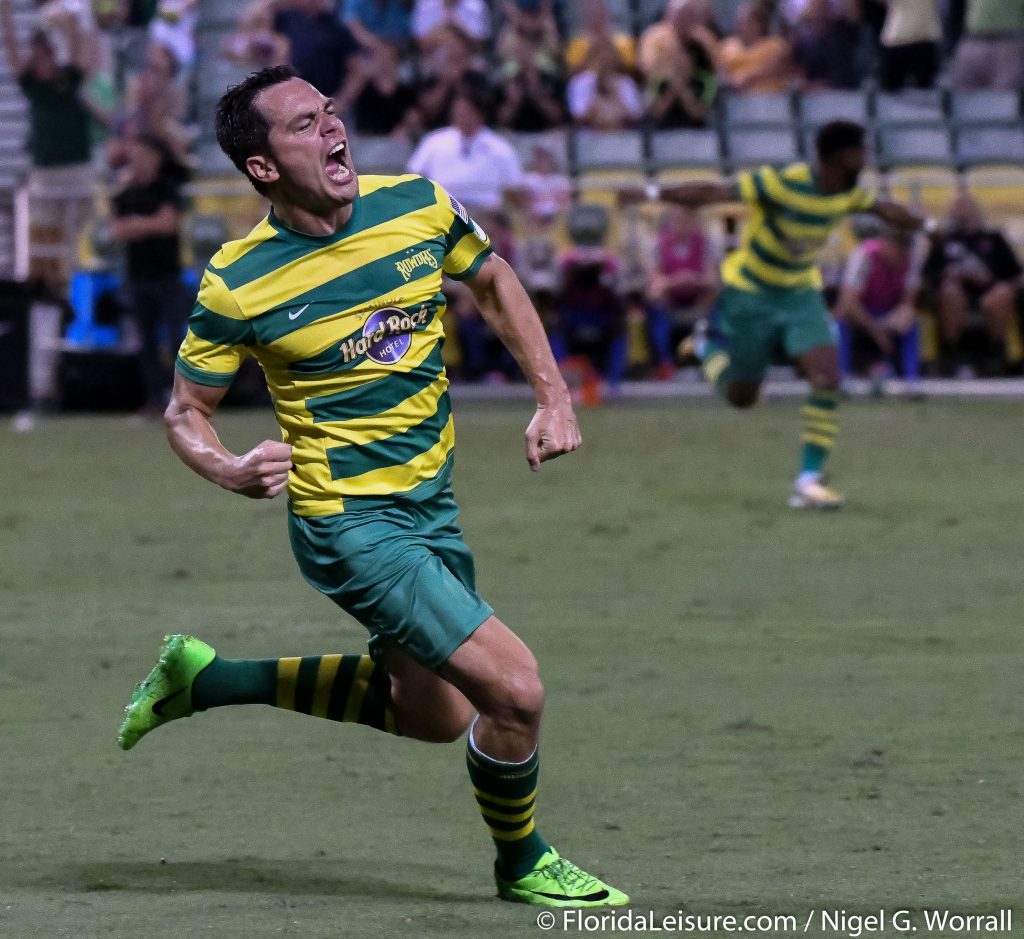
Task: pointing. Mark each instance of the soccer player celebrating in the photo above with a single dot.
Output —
(337, 295)
(771, 296)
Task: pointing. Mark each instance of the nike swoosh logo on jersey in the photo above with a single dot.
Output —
(158, 707)
(297, 313)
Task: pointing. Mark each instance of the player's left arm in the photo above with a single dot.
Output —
(507, 309)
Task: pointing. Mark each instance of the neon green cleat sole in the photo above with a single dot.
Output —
(166, 692)
(554, 881)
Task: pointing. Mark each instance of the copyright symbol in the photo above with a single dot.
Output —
(546, 920)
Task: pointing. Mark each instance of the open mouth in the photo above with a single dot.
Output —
(337, 170)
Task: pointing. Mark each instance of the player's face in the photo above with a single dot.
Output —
(310, 164)
(851, 162)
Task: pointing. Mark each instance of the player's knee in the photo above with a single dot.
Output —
(518, 701)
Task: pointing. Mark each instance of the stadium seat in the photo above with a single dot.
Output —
(380, 154)
(979, 107)
(750, 108)
(754, 146)
(981, 144)
(914, 145)
(608, 150)
(910, 107)
(556, 142)
(815, 108)
(672, 149)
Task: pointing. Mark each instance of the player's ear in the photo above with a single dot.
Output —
(262, 169)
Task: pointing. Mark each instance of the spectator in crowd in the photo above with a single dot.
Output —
(449, 64)
(825, 47)
(320, 45)
(752, 59)
(173, 26)
(790, 12)
(255, 43)
(547, 194)
(55, 18)
(971, 267)
(878, 328)
(678, 96)
(532, 89)
(432, 19)
(682, 41)
(682, 281)
(380, 101)
(471, 161)
(992, 53)
(533, 22)
(155, 105)
(59, 144)
(909, 54)
(597, 34)
(146, 219)
(374, 22)
(604, 96)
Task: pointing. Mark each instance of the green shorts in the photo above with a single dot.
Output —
(400, 567)
(754, 327)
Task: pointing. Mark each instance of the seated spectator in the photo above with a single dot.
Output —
(681, 284)
(255, 44)
(320, 45)
(682, 38)
(991, 55)
(604, 96)
(972, 267)
(380, 101)
(825, 48)
(547, 193)
(752, 59)
(59, 145)
(374, 22)
(677, 95)
(532, 21)
(450, 64)
(909, 55)
(532, 88)
(432, 19)
(598, 33)
(878, 328)
(146, 219)
(475, 164)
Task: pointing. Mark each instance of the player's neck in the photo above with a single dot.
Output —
(310, 222)
(831, 180)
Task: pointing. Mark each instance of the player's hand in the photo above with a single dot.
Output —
(552, 432)
(262, 473)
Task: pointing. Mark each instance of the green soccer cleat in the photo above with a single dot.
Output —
(554, 881)
(166, 692)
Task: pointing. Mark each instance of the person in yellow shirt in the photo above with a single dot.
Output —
(752, 59)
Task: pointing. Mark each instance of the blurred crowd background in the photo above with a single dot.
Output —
(534, 113)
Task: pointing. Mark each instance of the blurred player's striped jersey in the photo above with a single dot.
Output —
(790, 222)
(347, 328)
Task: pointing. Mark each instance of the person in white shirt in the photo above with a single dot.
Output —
(471, 17)
(471, 161)
(910, 44)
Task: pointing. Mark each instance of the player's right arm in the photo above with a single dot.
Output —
(262, 473)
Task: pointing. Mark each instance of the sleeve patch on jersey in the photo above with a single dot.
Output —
(459, 209)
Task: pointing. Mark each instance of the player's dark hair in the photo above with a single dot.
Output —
(242, 130)
(838, 135)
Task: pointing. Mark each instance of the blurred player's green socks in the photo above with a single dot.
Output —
(506, 793)
(349, 688)
(820, 426)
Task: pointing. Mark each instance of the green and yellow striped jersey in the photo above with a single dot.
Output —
(347, 328)
(790, 222)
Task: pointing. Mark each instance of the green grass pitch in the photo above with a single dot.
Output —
(749, 709)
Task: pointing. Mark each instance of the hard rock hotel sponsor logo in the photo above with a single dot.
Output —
(387, 335)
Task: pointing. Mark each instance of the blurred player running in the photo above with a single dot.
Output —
(771, 297)
(337, 295)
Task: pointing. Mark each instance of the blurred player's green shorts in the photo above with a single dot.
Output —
(400, 567)
(754, 327)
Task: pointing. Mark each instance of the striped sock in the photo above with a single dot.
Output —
(506, 793)
(820, 426)
(349, 688)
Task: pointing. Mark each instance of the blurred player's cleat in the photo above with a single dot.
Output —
(692, 349)
(812, 494)
(166, 692)
(554, 881)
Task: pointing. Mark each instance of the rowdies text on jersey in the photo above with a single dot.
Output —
(386, 335)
